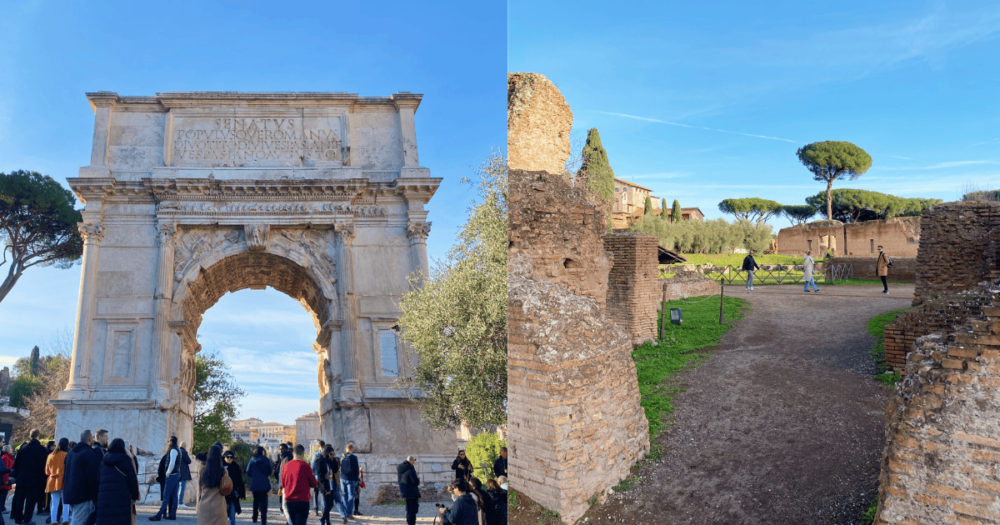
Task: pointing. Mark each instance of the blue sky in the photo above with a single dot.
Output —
(702, 101)
(53, 52)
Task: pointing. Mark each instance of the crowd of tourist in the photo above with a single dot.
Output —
(94, 482)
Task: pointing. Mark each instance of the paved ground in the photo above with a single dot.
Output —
(379, 514)
(782, 425)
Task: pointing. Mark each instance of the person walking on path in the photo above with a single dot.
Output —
(882, 266)
(807, 272)
(357, 491)
(82, 480)
(213, 478)
(326, 469)
(259, 471)
(350, 474)
(500, 465)
(168, 506)
(29, 471)
(119, 489)
(462, 466)
(185, 473)
(55, 469)
(239, 488)
(314, 463)
(409, 488)
(7, 459)
(750, 266)
(297, 482)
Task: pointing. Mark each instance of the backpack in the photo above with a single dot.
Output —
(889, 264)
(347, 467)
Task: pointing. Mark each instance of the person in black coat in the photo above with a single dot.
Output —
(409, 488)
(487, 502)
(465, 511)
(185, 474)
(119, 488)
(29, 469)
(259, 470)
(500, 465)
(327, 466)
(3, 472)
(462, 466)
(499, 497)
(750, 265)
(82, 480)
(239, 488)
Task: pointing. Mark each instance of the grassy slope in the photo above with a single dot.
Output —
(736, 259)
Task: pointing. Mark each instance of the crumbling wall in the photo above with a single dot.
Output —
(900, 237)
(686, 284)
(539, 122)
(632, 298)
(942, 458)
(903, 268)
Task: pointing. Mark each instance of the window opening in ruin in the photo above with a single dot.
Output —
(810, 244)
(570, 263)
(388, 353)
(873, 245)
(266, 338)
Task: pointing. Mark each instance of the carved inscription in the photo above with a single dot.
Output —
(238, 139)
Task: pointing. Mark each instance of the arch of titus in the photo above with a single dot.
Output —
(191, 195)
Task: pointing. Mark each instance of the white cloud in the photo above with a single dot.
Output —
(938, 166)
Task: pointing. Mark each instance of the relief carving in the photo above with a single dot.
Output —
(92, 232)
(166, 234)
(344, 230)
(418, 231)
(256, 235)
(193, 245)
(188, 374)
(313, 244)
(325, 375)
(369, 211)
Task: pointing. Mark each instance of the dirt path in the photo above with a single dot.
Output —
(782, 425)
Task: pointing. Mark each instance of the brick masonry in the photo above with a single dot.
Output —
(903, 268)
(686, 284)
(632, 297)
(539, 122)
(899, 237)
(576, 426)
(942, 458)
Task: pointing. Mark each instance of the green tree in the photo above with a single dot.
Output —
(752, 209)
(457, 322)
(852, 205)
(38, 225)
(676, 215)
(595, 173)
(798, 214)
(648, 210)
(33, 366)
(834, 160)
(217, 400)
(663, 210)
(483, 449)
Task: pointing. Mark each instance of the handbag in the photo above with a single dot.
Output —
(889, 265)
(226, 485)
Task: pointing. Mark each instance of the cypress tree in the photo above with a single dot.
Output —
(649, 206)
(33, 366)
(595, 171)
(676, 215)
(663, 209)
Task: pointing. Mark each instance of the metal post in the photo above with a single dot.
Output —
(663, 320)
(722, 304)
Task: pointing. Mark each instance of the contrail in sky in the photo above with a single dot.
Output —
(658, 121)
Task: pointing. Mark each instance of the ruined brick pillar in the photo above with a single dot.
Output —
(632, 283)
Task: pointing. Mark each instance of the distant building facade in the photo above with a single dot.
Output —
(307, 428)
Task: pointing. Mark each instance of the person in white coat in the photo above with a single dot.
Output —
(807, 272)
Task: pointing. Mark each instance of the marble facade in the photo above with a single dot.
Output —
(191, 195)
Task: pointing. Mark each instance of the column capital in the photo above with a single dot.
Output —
(167, 233)
(418, 231)
(92, 232)
(344, 230)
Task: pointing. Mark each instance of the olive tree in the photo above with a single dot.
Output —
(834, 160)
(38, 225)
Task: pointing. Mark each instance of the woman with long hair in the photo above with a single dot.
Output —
(119, 487)
(212, 508)
(55, 468)
(462, 466)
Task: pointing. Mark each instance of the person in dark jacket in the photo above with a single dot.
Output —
(284, 455)
(119, 488)
(409, 488)
(465, 511)
(29, 470)
(499, 496)
(239, 488)
(500, 465)
(486, 501)
(327, 467)
(185, 474)
(4, 472)
(7, 460)
(82, 480)
(462, 466)
(318, 491)
(350, 474)
(101, 442)
(750, 265)
(259, 469)
(168, 498)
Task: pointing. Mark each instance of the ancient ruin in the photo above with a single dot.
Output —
(899, 237)
(191, 195)
(576, 426)
(538, 124)
(632, 284)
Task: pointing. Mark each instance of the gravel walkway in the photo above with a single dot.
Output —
(378, 514)
(783, 424)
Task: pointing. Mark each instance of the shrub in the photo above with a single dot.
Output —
(483, 448)
(718, 236)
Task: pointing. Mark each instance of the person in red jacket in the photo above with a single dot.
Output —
(8, 462)
(297, 482)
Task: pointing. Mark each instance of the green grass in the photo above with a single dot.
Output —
(869, 516)
(736, 259)
(655, 363)
(876, 328)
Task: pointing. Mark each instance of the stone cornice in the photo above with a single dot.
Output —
(181, 99)
(417, 189)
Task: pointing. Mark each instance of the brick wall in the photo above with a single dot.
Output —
(898, 236)
(942, 459)
(903, 268)
(686, 284)
(958, 248)
(632, 297)
(538, 124)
